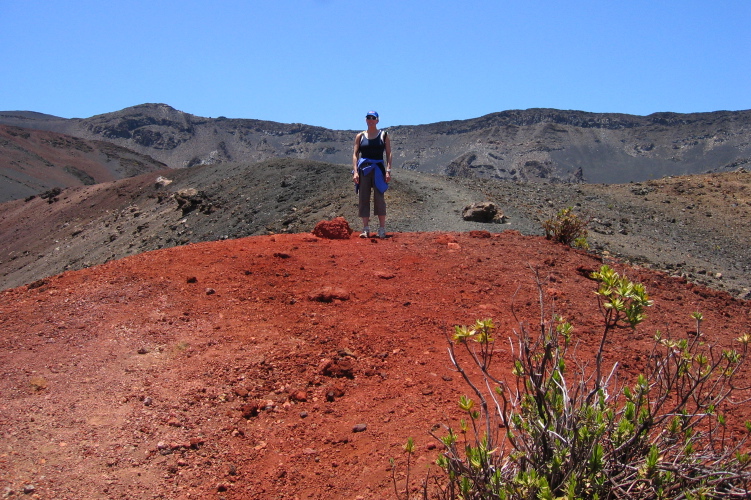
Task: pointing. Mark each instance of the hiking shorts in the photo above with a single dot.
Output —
(367, 184)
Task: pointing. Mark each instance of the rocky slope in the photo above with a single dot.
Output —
(522, 145)
(35, 161)
(695, 226)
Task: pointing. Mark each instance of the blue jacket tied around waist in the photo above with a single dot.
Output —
(365, 166)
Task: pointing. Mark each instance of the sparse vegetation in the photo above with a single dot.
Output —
(559, 428)
(409, 449)
(567, 227)
(51, 195)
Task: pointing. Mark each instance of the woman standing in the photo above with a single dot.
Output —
(370, 174)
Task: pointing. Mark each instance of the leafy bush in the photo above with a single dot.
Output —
(561, 428)
(566, 227)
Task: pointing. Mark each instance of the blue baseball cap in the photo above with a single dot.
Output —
(372, 113)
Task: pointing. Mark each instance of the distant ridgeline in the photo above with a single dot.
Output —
(531, 145)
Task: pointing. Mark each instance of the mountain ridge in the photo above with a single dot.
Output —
(534, 145)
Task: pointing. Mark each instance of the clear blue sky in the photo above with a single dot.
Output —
(327, 62)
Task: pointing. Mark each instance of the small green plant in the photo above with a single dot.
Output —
(561, 428)
(568, 228)
(409, 449)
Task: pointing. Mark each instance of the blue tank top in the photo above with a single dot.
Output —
(372, 149)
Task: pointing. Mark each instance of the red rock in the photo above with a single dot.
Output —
(329, 294)
(250, 410)
(337, 229)
(479, 234)
(299, 396)
(343, 367)
(445, 239)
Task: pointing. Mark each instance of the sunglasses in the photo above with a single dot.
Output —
(371, 117)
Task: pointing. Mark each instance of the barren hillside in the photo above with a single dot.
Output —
(534, 145)
(34, 161)
(285, 366)
(696, 227)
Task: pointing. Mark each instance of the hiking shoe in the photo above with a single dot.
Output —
(381, 232)
(365, 233)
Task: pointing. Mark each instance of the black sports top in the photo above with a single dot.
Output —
(372, 149)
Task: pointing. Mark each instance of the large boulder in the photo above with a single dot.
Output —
(485, 211)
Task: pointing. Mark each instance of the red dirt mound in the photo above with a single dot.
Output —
(218, 370)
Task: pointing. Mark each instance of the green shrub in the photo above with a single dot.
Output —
(566, 227)
(559, 427)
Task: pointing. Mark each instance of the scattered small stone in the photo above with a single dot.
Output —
(347, 353)
(342, 367)
(162, 181)
(360, 428)
(29, 489)
(143, 350)
(147, 401)
(303, 414)
(329, 294)
(299, 396)
(250, 410)
(192, 279)
(479, 234)
(210, 291)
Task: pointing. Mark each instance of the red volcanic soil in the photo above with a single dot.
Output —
(284, 366)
